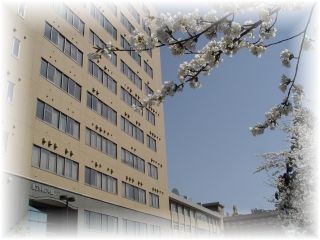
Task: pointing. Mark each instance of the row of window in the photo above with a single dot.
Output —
(65, 83)
(95, 40)
(94, 221)
(130, 100)
(52, 162)
(126, 45)
(70, 126)
(103, 21)
(102, 77)
(101, 108)
(132, 160)
(132, 130)
(109, 184)
(133, 193)
(131, 75)
(148, 69)
(191, 213)
(99, 222)
(58, 119)
(63, 44)
(127, 24)
(101, 143)
(133, 227)
(100, 180)
(60, 80)
(181, 210)
(72, 18)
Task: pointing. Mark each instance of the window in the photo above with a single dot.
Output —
(63, 44)
(102, 77)
(154, 200)
(133, 193)
(60, 80)
(130, 100)
(135, 55)
(133, 227)
(95, 40)
(50, 161)
(132, 160)
(101, 143)
(148, 69)
(101, 108)
(50, 115)
(100, 180)
(22, 9)
(72, 18)
(152, 144)
(173, 207)
(134, 13)
(152, 171)
(131, 75)
(103, 21)
(9, 95)
(100, 222)
(125, 22)
(155, 229)
(132, 130)
(16, 47)
(150, 117)
(187, 212)
(147, 90)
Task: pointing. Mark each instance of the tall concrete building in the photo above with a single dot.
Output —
(76, 157)
(72, 144)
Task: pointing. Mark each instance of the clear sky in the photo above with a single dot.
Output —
(210, 152)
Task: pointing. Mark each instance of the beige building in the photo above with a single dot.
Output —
(75, 155)
(69, 130)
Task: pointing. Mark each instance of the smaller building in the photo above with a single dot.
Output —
(190, 219)
(259, 221)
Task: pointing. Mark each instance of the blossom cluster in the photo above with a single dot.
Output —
(285, 57)
(106, 51)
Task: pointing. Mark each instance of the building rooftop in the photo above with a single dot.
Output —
(183, 200)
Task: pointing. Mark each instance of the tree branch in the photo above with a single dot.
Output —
(299, 55)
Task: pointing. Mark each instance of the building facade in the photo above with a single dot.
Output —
(191, 219)
(76, 157)
(258, 222)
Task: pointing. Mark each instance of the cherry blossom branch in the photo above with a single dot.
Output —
(285, 107)
(284, 40)
(299, 55)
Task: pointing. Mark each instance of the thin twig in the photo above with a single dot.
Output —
(299, 55)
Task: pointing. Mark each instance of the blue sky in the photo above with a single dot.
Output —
(210, 152)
